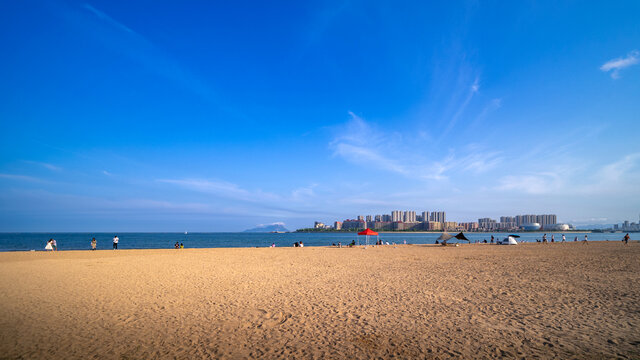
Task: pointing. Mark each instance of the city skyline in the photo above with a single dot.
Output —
(437, 220)
(120, 116)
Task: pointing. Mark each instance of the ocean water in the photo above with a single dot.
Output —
(81, 241)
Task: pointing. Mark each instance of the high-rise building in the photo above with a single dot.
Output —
(337, 225)
(397, 215)
(409, 216)
(469, 226)
(435, 226)
(360, 218)
(378, 218)
(353, 224)
(450, 226)
(507, 223)
(425, 216)
(369, 218)
(386, 218)
(545, 220)
(549, 219)
(487, 224)
(438, 216)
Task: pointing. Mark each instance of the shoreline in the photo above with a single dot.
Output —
(461, 244)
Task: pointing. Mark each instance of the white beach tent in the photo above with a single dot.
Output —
(510, 240)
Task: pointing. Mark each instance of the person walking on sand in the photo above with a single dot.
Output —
(626, 239)
(94, 244)
(49, 245)
(564, 238)
(54, 244)
(544, 238)
(585, 241)
(553, 238)
(115, 242)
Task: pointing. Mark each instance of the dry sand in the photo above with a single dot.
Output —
(474, 301)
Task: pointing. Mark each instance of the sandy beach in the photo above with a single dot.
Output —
(473, 301)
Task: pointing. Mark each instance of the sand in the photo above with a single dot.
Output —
(473, 301)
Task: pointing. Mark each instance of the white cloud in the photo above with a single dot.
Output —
(108, 18)
(125, 40)
(407, 155)
(359, 143)
(473, 90)
(618, 170)
(475, 86)
(20, 178)
(303, 193)
(620, 63)
(620, 177)
(273, 223)
(537, 184)
(220, 188)
(44, 165)
(105, 172)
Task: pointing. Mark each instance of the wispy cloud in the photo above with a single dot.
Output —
(23, 178)
(136, 46)
(473, 89)
(219, 188)
(108, 18)
(360, 143)
(105, 172)
(615, 65)
(273, 223)
(44, 165)
(618, 177)
(536, 184)
(618, 170)
(303, 193)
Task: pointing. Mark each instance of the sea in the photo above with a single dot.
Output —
(82, 241)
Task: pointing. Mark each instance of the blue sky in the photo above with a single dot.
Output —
(219, 116)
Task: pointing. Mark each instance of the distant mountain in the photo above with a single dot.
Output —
(269, 228)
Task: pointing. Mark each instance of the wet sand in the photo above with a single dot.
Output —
(473, 301)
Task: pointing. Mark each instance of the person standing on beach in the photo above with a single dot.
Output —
(553, 238)
(49, 245)
(544, 238)
(564, 238)
(585, 240)
(115, 242)
(94, 244)
(54, 244)
(626, 239)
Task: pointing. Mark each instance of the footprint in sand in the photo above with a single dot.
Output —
(268, 320)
